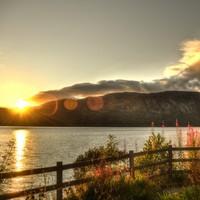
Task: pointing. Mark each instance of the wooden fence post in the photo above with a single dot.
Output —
(59, 181)
(131, 163)
(170, 157)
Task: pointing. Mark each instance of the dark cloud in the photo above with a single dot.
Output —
(112, 86)
(91, 89)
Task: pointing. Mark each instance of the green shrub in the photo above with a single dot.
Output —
(112, 189)
(110, 149)
(168, 196)
(105, 186)
(179, 178)
(154, 142)
(189, 193)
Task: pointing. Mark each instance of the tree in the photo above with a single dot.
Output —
(154, 142)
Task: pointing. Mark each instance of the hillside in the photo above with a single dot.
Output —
(117, 109)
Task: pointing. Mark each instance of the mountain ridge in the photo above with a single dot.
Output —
(114, 109)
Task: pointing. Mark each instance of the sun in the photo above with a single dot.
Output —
(21, 104)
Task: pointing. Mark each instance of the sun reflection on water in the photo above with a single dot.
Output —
(20, 138)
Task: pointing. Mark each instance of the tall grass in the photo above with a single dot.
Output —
(6, 158)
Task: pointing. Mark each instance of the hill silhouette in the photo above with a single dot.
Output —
(117, 109)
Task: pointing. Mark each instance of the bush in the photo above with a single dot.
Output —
(168, 196)
(179, 178)
(189, 193)
(154, 142)
(106, 186)
(112, 189)
(110, 149)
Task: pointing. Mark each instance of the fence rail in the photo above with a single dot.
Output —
(59, 168)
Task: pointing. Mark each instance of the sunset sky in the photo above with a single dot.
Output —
(48, 45)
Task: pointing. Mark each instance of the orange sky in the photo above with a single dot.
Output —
(13, 91)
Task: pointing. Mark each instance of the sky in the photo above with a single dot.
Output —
(69, 48)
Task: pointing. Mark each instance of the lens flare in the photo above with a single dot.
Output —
(70, 104)
(95, 103)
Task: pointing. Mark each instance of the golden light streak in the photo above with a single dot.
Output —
(20, 138)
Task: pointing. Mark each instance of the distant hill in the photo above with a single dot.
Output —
(117, 109)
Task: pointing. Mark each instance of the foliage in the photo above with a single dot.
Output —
(128, 189)
(179, 178)
(110, 149)
(43, 194)
(169, 196)
(122, 188)
(6, 157)
(193, 139)
(189, 193)
(154, 142)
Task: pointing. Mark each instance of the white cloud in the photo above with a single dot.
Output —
(190, 56)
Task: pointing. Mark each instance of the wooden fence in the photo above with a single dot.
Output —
(59, 168)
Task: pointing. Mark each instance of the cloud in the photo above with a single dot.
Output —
(184, 75)
(90, 89)
(190, 57)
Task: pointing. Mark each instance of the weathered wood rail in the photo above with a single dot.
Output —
(59, 168)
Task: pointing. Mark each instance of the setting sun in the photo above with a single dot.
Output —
(22, 104)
